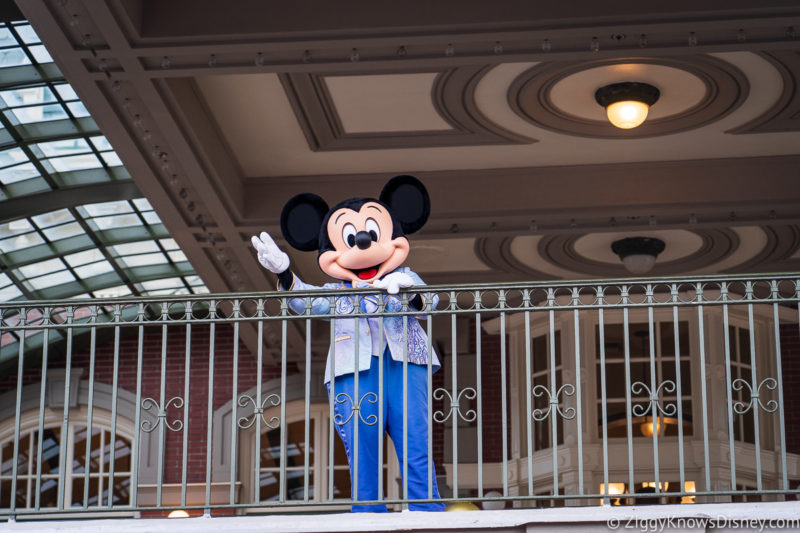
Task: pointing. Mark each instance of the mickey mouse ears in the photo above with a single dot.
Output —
(303, 215)
(301, 220)
(408, 201)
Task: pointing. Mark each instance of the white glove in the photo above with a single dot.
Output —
(269, 255)
(394, 282)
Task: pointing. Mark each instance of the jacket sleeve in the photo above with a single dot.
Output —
(319, 306)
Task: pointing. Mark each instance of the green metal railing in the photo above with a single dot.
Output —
(119, 440)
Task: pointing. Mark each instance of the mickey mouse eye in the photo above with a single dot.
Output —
(349, 235)
(373, 229)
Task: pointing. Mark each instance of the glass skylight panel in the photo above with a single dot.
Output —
(169, 244)
(65, 147)
(177, 256)
(132, 261)
(83, 258)
(101, 143)
(113, 292)
(15, 227)
(12, 156)
(132, 248)
(50, 280)
(75, 162)
(52, 218)
(42, 268)
(114, 221)
(151, 218)
(65, 91)
(43, 113)
(111, 159)
(13, 57)
(160, 284)
(78, 109)
(9, 293)
(93, 269)
(6, 39)
(40, 54)
(63, 231)
(27, 96)
(18, 173)
(21, 242)
(26, 33)
(106, 208)
(142, 204)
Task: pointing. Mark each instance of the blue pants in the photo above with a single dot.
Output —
(369, 430)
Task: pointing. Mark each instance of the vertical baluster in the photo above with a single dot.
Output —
(654, 404)
(404, 308)
(23, 319)
(90, 413)
(284, 426)
(235, 394)
(503, 394)
(381, 326)
(754, 390)
(578, 404)
(210, 400)
(603, 396)
(114, 398)
(479, 381)
(138, 417)
(257, 405)
(628, 406)
(679, 390)
(704, 393)
(162, 429)
(62, 452)
(454, 391)
(42, 397)
(729, 390)
(528, 394)
(307, 407)
(428, 306)
(356, 394)
(186, 378)
(779, 370)
(331, 396)
(553, 391)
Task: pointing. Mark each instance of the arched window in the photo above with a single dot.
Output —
(64, 459)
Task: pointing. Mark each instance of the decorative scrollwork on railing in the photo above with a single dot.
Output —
(539, 391)
(150, 403)
(667, 386)
(343, 397)
(258, 410)
(455, 405)
(755, 397)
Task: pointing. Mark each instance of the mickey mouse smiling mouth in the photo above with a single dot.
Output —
(363, 247)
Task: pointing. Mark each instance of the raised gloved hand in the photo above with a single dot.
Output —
(394, 282)
(269, 255)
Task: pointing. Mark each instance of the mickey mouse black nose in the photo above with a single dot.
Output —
(363, 240)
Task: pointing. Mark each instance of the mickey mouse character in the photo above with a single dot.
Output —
(362, 242)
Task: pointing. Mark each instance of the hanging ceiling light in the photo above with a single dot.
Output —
(638, 254)
(627, 103)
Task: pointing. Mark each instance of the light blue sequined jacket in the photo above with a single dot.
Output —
(343, 350)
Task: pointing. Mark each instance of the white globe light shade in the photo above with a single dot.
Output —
(627, 114)
(639, 263)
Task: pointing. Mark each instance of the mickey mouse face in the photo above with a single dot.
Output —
(363, 247)
(360, 239)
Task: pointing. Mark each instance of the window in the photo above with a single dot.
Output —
(76, 493)
(640, 367)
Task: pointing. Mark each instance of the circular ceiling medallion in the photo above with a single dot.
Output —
(695, 90)
(685, 251)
